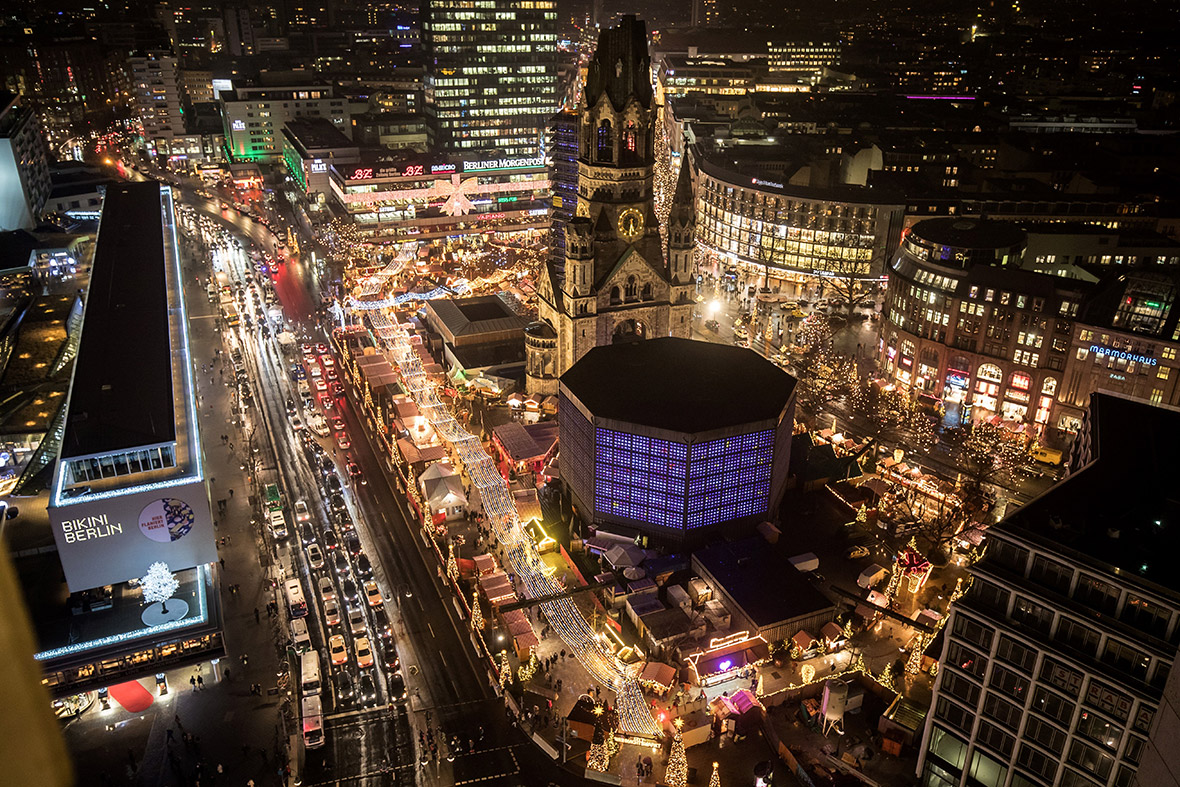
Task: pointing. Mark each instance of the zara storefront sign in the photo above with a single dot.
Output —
(1113, 353)
(115, 539)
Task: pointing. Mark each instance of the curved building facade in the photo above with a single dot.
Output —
(964, 322)
(794, 232)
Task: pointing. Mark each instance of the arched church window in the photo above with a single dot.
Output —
(632, 288)
(647, 293)
(614, 296)
(629, 141)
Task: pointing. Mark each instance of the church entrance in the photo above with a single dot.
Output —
(629, 331)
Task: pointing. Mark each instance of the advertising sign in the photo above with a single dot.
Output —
(109, 541)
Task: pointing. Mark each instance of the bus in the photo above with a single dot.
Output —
(310, 673)
(296, 603)
(230, 313)
(274, 499)
(313, 722)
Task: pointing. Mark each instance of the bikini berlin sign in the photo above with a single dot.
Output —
(115, 539)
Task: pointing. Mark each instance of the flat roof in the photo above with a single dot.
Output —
(680, 385)
(764, 584)
(963, 233)
(121, 396)
(1120, 511)
(317, 133)
(481, 314)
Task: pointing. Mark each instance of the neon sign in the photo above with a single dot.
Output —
(1113, 353)
(414, 170)
(769, 183)
(503, 163)
(362, 173)
(239, 125)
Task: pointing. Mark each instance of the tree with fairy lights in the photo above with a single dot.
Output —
(476, 611)
(599, 759)
(505, 669)
(676, 775)
(158, 585)
(913, 664)
(452, 564)
(988, 450)
(886, 677)
(715, 779)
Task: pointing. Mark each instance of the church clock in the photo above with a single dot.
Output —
(631, 224)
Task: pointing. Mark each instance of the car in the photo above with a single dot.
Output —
(342, 441)
(332, 375)
(322, 349)
(307, 349)
(314, 370)
(364, 652)
(392, 661)
(326, 465)
(291, 406)
(336, 502)
(349, 591)
(328, 361)
(337, 389)
(317, 424)
(330, 540)
(320, 385)
(301, 512)
(315, 556)
(397, 688)
(298, 374)
(368, 690)
(364, 569)
(296, 423)
(355, 473)
(740, 332)
(338, 424)
(712, 325)
(332, 484)
(803, 303)
(381, 623)
(856, 552)
(356, 621)
(345, 689)
(338, 650)
(307, 531)
(327, 589)
(352, 544)
(332, 612)
(343, 522)
(373, 594)
(341, 564)
(327, 403)
(278, 524)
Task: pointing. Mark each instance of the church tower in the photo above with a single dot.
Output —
(617, 283)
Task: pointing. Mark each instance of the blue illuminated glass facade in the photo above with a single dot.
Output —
(679, 486)
(729, 478)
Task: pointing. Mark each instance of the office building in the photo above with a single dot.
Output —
(562, 158)
(618, 283)
(491, 74)
(254, 116)
(129, 488)
(24, 168)
(156, 84)
(310, 147)
(1056, 660)
(646, 448)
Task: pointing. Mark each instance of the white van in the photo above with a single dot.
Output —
(313, 722)
(310, 682)
(278, 524)
(299, 636)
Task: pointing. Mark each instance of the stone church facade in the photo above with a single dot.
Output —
(620, 281)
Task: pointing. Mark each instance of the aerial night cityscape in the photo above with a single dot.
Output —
(530, 393)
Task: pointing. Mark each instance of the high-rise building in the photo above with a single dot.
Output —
(562, 161)
(1056, 659)
(24, 169)
(254, 116)
(155, 81)
(618, 284)
(491, 73)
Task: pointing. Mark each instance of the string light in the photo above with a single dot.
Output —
(599, 759)
(505, 669)
(452, 564)
(476, 611)
(913, 665)
(528, 669)
(886, 677)
(715, 779)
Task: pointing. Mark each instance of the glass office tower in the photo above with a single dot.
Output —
(491, 73)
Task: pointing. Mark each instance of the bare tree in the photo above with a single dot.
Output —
(848, 291)
(987, 450)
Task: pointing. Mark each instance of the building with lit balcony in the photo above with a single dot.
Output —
(1056, 660)
(675, 438)
(423, 197)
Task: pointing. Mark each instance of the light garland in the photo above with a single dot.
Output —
(505, 669)
(913, 665)
(452, 564)
(599, 759)
(886, 677)
(676, 774)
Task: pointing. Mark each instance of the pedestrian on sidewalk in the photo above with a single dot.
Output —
(231, 491)
(192, 681)
(227, 674)
(222, 562)
(176, 718)
(171, 735)
(200, 682)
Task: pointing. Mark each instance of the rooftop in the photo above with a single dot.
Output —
(469, 316)
(768, 589)
(969, 233)
(121, 396)
(1120, 512)
(317, 133)
(679, 384)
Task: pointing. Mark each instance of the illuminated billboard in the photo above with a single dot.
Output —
(114, 539)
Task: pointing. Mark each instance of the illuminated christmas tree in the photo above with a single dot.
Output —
(505, 669)
(476, 611)
(913, 665)
(599, 757)
(847, 632)
(715, 779)
(528, 669)
(676, 774)
(452, 564)
(886, 677)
